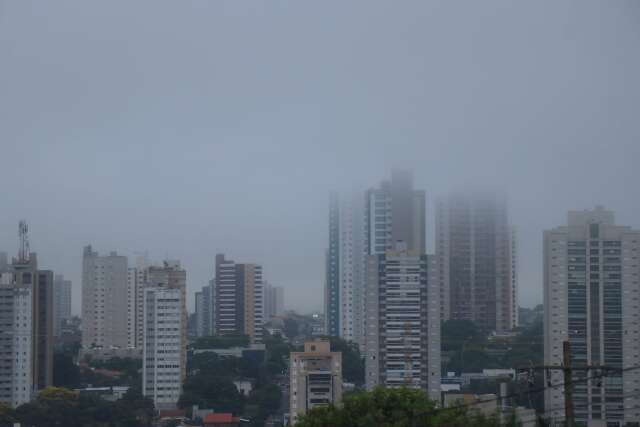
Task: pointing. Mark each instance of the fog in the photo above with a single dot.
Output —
(190, 128)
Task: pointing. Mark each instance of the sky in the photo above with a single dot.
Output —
(189, 128)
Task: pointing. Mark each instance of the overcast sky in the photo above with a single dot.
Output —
(187, 128)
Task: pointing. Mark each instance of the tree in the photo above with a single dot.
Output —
(352, 361)
(65, 372)
(211, 391)
(386, 407)
(221, 341)
(7, 416)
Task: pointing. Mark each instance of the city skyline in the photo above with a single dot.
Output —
(136, 153)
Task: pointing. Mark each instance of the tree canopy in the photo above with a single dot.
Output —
(387, 407)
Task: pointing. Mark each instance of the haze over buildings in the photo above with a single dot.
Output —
(203, 127)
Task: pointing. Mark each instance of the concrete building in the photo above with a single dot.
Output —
(61, 303)
(367, 224)
(315, 377)
(476, 251)
(273, 301)
(105, 306)
(205, 317)
(591, 299)
(403, 321)
(163, 354)
(238, 305)
(26, 329)
(396, 212)
(136, 283)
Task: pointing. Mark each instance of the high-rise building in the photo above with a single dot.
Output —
(61, 303)
(163, 350)
(137, 279)
(273, 301)
(591, 299)
(315, 377)
(362, 224)
(104, 300)
(402, 346)
(396, 212)
(26, 327)
(204, 311)
(475, 246)
(238, 302)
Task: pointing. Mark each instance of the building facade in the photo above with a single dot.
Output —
(476, 250)
(105, 305)
(163, 346)
(205, 316)
(61, 303)
(315, 377)
(26, 330)
(273, 301)
(591, 299)
(362, 224)
(403, 321)
(238, 302)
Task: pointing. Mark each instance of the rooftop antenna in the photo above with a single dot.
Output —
(23, 234)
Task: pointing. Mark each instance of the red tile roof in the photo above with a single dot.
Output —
(222, 417)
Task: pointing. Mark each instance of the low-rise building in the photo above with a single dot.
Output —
(315, 377)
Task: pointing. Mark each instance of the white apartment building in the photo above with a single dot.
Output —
(16, 341)
(105, 306)
(403, 321)
(592, 300)
(163, 352)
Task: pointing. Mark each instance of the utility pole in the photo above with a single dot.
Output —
(567, 370)
(568, 386)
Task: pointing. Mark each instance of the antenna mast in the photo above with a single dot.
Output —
(23, 252)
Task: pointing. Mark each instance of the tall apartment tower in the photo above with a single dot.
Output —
(104, 300)
(204, 311)
(26, 329)
(238, 304)
(403, 321)
(163, 350)
(362, 224)
(591, 299)
(395, 212)
(475, 246)
(61, 303)
(315, 378)
(273, 301)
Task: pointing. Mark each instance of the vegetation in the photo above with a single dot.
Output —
(209, 382)
(393, 408)
(221, 341)
(470, 351)
(57, 406)
(352, 361)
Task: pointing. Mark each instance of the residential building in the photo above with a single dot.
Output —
(105, 306)
(163, 354)
(61, 303)
(476, 250)
(26, 328)
(205, 317)
(591, 299)
(403, 321)
(273, 301)
(238, 303)
(362, 224)
(315, 377)
(170, 276)
(137, 281)
(395, 211)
